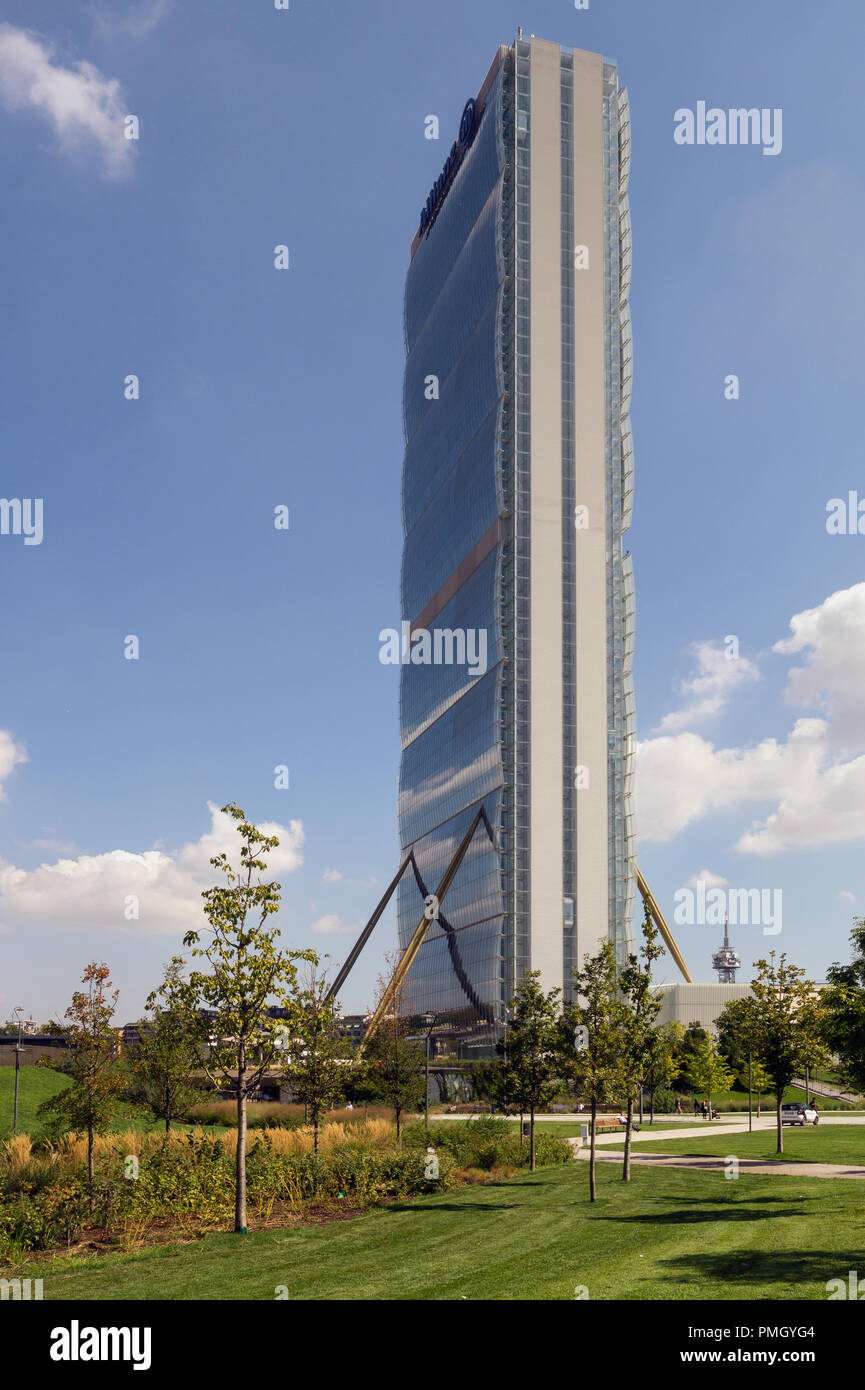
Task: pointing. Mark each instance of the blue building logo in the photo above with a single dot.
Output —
(467, 124)
(468, 127)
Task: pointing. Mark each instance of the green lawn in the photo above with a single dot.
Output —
(821, 1144)
(37, 1084)
(670, 1235)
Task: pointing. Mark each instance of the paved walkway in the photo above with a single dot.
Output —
(751, 1165)
(706, 1128)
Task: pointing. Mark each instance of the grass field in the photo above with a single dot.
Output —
(37, 1084)
(666, 1235)
(821, 1144)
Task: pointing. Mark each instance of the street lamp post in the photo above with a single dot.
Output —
(429, 1020)
(19, 1011)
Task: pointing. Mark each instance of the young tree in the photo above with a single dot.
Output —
(662, 1060)
(737, 1040)
(692, 1037)
(163, 1062)
(530, 1055)
(92, 1063)
(237, 1043)
(760, 1082)
(642, 1006)
(394, 1062)
(708, 1070)
(844, 1004)
(785, 1019)
(317, 1061)
(590, 1038)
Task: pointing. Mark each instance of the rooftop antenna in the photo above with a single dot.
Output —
(725, 961)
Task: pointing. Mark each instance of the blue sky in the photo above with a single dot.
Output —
(261, 388)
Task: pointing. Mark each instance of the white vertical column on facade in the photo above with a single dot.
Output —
(546, 515)
(592, 851)
(630, 749)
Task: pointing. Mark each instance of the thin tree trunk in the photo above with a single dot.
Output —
(315, 1133)
(240, 1156)
(592, 1188)
(652, 1106)
(532, 1136)
(626, 1169)
(399, 1126)
(90, 1164)
(778, 1099)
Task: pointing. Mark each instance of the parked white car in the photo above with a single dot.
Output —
(798, 1113)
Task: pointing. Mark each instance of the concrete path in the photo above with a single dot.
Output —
(750, 1165)
(704, 1129)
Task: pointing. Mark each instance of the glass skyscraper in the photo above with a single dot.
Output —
(517, 485)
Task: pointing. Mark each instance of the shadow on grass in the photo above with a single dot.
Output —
(419, 1210)
(760, 1267)
(733, 1211)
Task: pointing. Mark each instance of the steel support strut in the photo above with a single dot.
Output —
(658, 919)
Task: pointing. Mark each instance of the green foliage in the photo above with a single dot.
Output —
(394, 1066)
(164, 1060)
(188, 1184)
(41, 1215)
(96, 1076)
(590, 1030)
(248, 969)
(665, 1100)
(663, 1058)
(687, 1045)
(488, 1142)
(707, 1070)
(782, 1022)
(641, 1006)
(844, 1005)
(316, 1059)
(530, 1051)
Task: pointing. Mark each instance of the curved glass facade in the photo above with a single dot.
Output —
(492, 478)
(450, 715)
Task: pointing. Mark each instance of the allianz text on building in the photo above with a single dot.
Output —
(516, 494)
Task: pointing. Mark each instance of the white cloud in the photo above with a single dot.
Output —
(11, 754)
(331, 876)
(708, 690)
(331, 924)
(136, 23)
(706, 876)
(832, 636)
(817, 797)
(824, 807)
(81, 104)
(90, 893)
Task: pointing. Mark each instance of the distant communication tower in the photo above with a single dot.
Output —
(725, 961)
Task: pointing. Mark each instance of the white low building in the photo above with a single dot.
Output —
(683, 1003)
